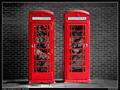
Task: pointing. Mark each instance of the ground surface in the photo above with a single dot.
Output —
(95, 83)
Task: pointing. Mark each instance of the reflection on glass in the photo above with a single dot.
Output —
(40, 64)
(77, 33)
(76, 57)
(40, 33)
(41, 45)
(43, 69)
(76, 27)
(40, 39)
(74, 63)
(77, 45)
(43, 57)
(38, 51)
(77, 69)
(76, 51)
(77, 39)
(41, 27)
(42, 51)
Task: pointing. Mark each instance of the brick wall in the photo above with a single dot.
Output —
(103, 38)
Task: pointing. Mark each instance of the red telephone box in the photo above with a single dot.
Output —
(77, 46)
(41, 46)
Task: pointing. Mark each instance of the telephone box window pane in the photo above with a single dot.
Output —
(40, 40)
(42, 51)
(42, 69)
(74, 63)
(40, 33)
(77, 39)
(42, 45)
(41, 27)
(76, 57)
(76, 51)
(77, 33)
(40, 64)
(77, 69)
(77, 45)
(77, 27)
(42, 57)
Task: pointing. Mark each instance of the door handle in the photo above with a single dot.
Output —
(33, 45)
(86, 45)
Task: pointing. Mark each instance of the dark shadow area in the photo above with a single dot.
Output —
(16, 82)
(59, 81)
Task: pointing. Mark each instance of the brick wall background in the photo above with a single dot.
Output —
(103, 38)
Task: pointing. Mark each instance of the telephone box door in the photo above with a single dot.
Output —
(41, 44)
(77, 47)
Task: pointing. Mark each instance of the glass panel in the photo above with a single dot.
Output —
(77, 45)
(42, 45)
(40, 63)
(76, 51)
(77, 33)
(42, 33)
(76, 57)
(41, 27)
(40, 39)
(77, 69)
(42, 57)
(76, 27)
(40, 51)
(74, 63)
(43, 69)
(77, 39)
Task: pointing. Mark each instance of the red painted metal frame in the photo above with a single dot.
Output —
(76, 76)
(37, 77)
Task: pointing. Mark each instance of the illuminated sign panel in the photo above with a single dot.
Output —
(41, 18)
(77, 18)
